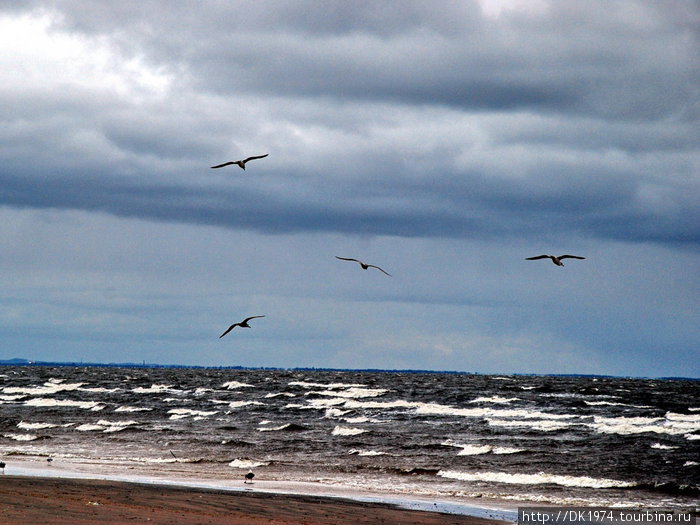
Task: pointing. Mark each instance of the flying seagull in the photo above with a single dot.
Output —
(240, 163)
(555, 260)
(364, 265)
(242, 324)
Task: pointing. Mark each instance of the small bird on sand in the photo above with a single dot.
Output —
(249, 477)
(555, 260)
(242, 324)
(239, 163)
(364, 265)
(49, 460)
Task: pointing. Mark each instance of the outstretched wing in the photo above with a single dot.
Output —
(253, 158)
(222, 165)
(348, 259)
(538, 257)
(249, 318)
(229, 329)
(570, 257)
(378, 268)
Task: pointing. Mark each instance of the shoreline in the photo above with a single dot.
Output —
(59, 501)
(488, 510)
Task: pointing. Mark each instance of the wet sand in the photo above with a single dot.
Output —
(53, 501)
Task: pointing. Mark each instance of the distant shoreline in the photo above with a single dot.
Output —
(27, 362)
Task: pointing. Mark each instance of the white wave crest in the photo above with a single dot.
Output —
(359, 452)
(50, 402)
(335, 412)
(319, 403)
(437, 409)
(273, 429)
(475, 450)
(278, 394)
(673, 424)
(536, 479)
(180, 413)
(659, 446)
(494, 399)
(105, 426)
(200, 391)
(35, 426)
(350, 403)
(352, 392)
(347, 431)
(247, 463)
(239, 404)
(153, 389)
(116, 426)
(359, 419)
(132, 409)
(233, 385)
(611, 404)
(21, 437)
(87, 427)
(48, 388)
(12, 398)
(686, 418)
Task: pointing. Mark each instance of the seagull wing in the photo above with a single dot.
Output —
(222, 165)
(378, 268)
(570, 257)
(348, 259)
(249, 318)
(253, 158)
(538, 257)
(229, 329)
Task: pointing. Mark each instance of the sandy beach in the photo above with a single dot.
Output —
(41, 500)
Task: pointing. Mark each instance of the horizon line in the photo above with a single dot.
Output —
(30, 362)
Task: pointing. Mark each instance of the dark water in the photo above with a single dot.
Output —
(553, 439)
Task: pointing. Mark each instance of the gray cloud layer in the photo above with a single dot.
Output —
(584, 119)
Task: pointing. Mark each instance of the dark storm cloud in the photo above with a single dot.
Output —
(478, 207)
(588, 117)
(626, 59)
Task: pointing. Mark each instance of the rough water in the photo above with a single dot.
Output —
(567, 440)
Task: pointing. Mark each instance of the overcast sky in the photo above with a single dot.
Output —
(444, 141)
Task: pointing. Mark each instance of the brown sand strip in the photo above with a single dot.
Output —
(58, 501)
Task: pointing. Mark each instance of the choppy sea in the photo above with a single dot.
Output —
(547, 439)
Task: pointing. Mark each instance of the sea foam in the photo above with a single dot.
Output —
(21, 437)
(247, 463)
(347, 431)
(50, 402)
(536, 479)
(233, 385)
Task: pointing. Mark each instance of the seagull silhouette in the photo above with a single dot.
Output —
(242, 324)
(364, 265)
(240, 163)
(555, 260)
